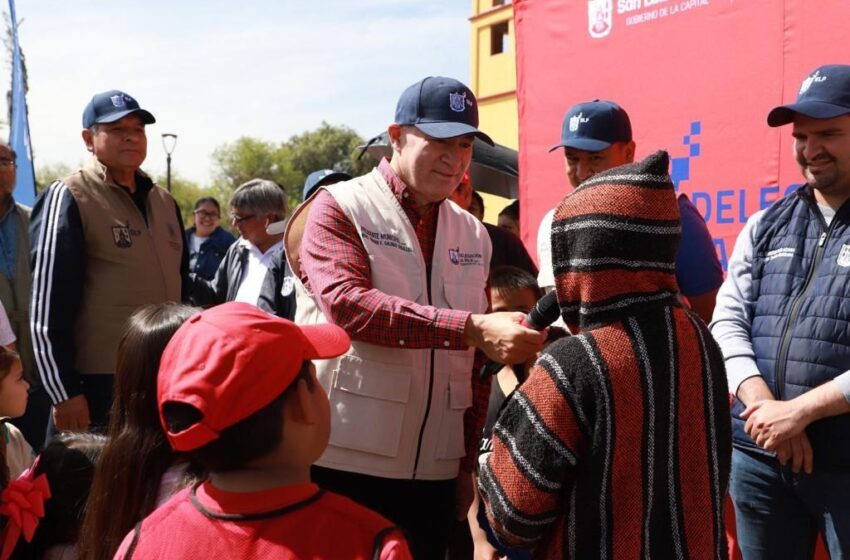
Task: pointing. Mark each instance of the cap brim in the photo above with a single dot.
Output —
(146, 117)
(324, 341)
(451, 130)
(583, 144)
(784, 114)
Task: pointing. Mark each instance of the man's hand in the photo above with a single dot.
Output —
(502, 338)
(72, 415)
(798, 451)
(770, 422)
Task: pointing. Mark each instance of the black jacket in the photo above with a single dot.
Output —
(277, 295)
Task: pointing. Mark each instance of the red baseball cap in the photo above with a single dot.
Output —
(232, 360)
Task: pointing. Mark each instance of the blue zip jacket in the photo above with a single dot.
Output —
(797, 305)
(211, 253)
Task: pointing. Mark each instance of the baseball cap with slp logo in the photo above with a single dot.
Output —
(594, 126)
(111, 106)
(824, 94)
(441, 108)
(230, 361)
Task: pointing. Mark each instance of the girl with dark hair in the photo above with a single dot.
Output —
(59, 482)
(206, 239)
(17, 454)
(138, 469)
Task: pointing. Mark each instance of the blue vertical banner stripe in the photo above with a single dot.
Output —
(19, 127)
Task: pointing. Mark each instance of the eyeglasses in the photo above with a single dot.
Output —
(236, 220)
(7, 162)
(205, 214)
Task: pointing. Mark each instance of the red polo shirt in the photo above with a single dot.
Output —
(289, 522)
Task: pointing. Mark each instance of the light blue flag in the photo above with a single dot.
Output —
(19, 129)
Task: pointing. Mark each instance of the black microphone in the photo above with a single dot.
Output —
(544, 313)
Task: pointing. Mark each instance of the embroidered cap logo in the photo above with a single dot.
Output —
(457, 102)
(118, 100)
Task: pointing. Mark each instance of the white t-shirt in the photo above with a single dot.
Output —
(545, 278)
(197, 241)
(255, 271)
(7, 337)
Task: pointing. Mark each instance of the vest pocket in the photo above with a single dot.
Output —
(368, 402)
(459, 398)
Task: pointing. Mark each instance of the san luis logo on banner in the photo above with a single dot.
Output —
(600, 13)
(599, 18)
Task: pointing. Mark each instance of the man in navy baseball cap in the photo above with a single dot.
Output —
(111, 106)
(596, 136)
(788, 370)
(386, 257)
(110, 219)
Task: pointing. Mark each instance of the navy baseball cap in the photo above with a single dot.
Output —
(594, 126)
(322, 177)
(441, 108)
(111, 106)
(824, 94)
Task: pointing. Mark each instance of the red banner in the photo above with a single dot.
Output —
(697, 78)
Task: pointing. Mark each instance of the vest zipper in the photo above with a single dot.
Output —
(785, 344)
(430, 394)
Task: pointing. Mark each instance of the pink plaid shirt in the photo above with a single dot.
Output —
(335, 267)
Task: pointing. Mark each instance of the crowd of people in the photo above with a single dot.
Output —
(361, 377)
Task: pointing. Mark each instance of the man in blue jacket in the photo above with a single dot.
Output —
(783, 322)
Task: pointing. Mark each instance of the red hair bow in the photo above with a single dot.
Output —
(22, 502)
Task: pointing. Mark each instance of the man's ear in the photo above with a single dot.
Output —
(302, 403)
(630, 151)
(88, 138)
(394, 132)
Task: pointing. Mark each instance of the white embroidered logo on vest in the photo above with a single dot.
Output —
(288, 286)
(844, 256)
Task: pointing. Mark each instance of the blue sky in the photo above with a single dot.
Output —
(213, 71)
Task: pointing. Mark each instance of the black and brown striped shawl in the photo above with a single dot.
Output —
(618, 445)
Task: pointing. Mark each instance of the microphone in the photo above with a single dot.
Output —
(544, 313)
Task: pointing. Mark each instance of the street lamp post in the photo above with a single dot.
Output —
(169, 142)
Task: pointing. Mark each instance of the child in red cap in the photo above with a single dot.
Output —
(237, 392)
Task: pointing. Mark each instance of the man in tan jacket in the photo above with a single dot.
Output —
(105, 241)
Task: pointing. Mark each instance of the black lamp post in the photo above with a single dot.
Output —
(169, 142)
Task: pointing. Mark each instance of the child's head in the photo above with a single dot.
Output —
(147, 332)
(137, 453)
(13, 387)
(232, 376)
(513, 289)
(68, 462)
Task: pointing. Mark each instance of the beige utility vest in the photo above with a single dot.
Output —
(397, 412)
(129, 263)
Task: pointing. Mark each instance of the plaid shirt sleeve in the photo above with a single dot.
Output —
(335, 267)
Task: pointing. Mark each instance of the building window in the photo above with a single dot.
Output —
(499, 38)
(500, 2)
